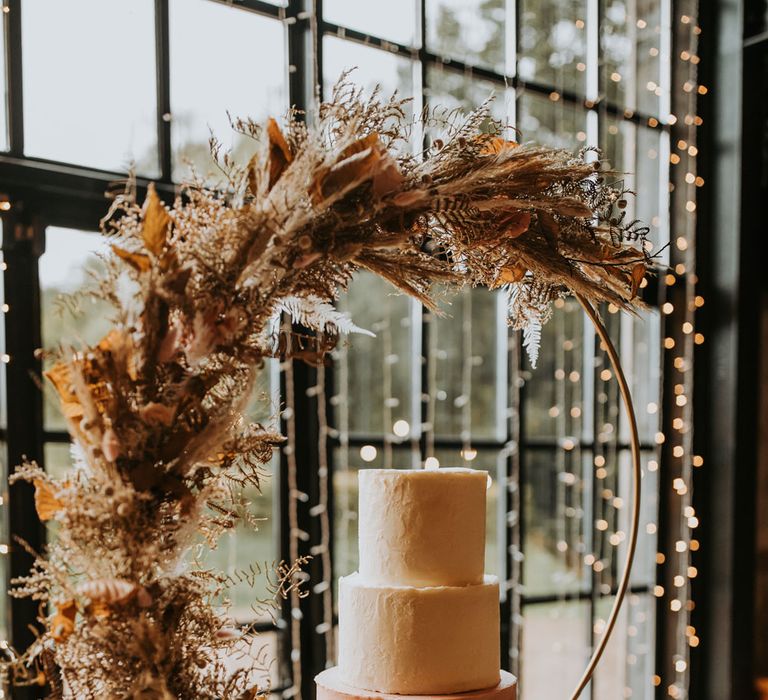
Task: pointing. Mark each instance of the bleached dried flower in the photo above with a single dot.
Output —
(157, 414)
(107, 590)
(110, 445)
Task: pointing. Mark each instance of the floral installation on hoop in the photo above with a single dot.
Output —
(156, 409)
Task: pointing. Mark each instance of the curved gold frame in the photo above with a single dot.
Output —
(621, 593)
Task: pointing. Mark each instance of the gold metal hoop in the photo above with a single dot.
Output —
(636, 476)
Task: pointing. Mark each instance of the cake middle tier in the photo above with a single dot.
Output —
(422, 527)
(418, 641)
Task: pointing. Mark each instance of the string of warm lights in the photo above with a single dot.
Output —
(346, 509)
(322, 549)
(295, 533)
(680, 342)
(5, 206)
(384, 334)
(468, 362)
(433, 393)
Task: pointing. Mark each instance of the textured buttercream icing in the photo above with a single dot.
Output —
(422, 527)
(418, 641)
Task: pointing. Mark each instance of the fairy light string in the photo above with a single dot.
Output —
(295, 533)
(680, 342)
(320, 511)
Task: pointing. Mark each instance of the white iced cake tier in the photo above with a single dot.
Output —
(422, 527)
(418, 640)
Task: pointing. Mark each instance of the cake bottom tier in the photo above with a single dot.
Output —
(331, 687)
(418, 641)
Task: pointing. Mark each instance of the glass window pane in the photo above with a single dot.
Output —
(266, 649)
(618, 41)
(627, 666)
(555, 511)
(554, 637)
(618, 145)
(58, 460)
(64, 268)
(472, 31)
(632, 46)
(651, 178)
(552, 123)
(644, 570)
(372, 67)
(394, 20)
(250, 547)
(553, 43)
(554, 405)
(641, 358)
(240, 69)
(649, 45)
(89, 83)
(464, 349)
(374, 379)
(451, 90)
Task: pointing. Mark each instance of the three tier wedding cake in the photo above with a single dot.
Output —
(420, 617)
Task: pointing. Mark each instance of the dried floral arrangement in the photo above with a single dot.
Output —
(156, 408)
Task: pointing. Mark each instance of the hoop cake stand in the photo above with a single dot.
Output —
(331, 687)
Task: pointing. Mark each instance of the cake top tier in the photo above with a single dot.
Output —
(422, 527)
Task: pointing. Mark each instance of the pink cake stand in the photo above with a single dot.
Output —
(331, 687)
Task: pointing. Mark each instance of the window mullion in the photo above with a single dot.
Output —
(14, 75)
(23, 243)
(163, 61)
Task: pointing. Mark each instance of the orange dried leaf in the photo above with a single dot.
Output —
(280, 155)
(510, 274)
(112, 341)
(158, 414)
(254, 165)
(638, 275)
(68, 609)
(498, 145)
(46, 503)
(156, 222)
(410, 198)
(71, 410)
(345, 175)
(63, 622)
(138, 261)
(100, 610)
(60, 376)
(549, 225)
(574, 207)
(362, 144)
(388, 177)
(517, 224)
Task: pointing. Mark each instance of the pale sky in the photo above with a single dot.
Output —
(90, 93)
(89, 71)
(61, 265)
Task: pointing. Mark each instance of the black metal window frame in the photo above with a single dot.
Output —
(45, 192)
